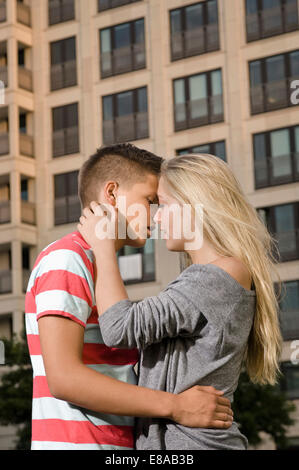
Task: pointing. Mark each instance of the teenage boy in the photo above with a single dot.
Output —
(84, 393)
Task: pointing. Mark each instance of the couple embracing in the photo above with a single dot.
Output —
(190, 341)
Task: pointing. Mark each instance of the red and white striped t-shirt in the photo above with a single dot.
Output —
(62, 283)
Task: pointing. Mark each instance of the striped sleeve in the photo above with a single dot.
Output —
(63, 287)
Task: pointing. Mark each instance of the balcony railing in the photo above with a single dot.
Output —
(28, 212)
(25, 79)
(4, 75)
(126, 128)
(272, 21)
(2, 12)
(139, 267)
(4, 212)
(26, 145)
(65, 141)
(23, 14)
(195, 41)
(271, 96)
(288, 244)
(199, 112)
(289, 322)
(277, 170)
(67, 210)
(5, 281)
(4, 143)
(60, 12)
(63, 75)
(107, 4)
(123, 60)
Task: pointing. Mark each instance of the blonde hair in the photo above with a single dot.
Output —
(233, 227)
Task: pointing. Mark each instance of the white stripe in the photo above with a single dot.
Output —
(66, 260)
(62, 300)
(52, 408)
(49, 445)
(93, 334)
(31, 324)
(124, 373)
(37, 365)
(89, 252)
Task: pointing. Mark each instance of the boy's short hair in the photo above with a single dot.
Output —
(122, 162)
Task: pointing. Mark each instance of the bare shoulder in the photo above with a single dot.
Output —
(236, 269)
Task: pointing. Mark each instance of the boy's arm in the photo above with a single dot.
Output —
(70, 380)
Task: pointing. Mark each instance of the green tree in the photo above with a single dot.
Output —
(16, 390)
(262, 408)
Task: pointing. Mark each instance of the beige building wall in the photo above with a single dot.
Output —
(237, 129)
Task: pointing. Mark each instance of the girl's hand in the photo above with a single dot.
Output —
(98, 226)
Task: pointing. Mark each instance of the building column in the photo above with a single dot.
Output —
(18, 323)
(15, 197)
(17, 270)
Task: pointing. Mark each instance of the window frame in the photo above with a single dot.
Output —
(293, 177)
(261, 34)
(69, 219)
(182, 10)
(65, 128)
(111, 30)
(271, 226)
(264, 82)
(188, 121)
(212, 148)
(135, 112)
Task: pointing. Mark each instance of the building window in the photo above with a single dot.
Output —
(108, 4)
(289, 310)
(283, 223)
(266, 18)
(67, 204)
(122, 48)
(2, 11)
(65, 130)
(270, 81)
(194, 29)
(61, 11)
(63, 63)
(125, 116)
(276, 157)
(214, 148)
(290, 380)
(137, 264)
(198, 100)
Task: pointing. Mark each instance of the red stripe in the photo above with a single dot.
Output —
(34, 345)
(102, 354)
(40, 387)
(30, 305)
(93, 353)
(81, 432)
(60, 313)
(60, 279)
(68, 243)
(93, 317)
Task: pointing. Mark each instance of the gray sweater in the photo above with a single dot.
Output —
(193, 333)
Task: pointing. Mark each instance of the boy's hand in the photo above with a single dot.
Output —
(202, 407)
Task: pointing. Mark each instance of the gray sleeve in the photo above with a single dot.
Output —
(138, 324)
